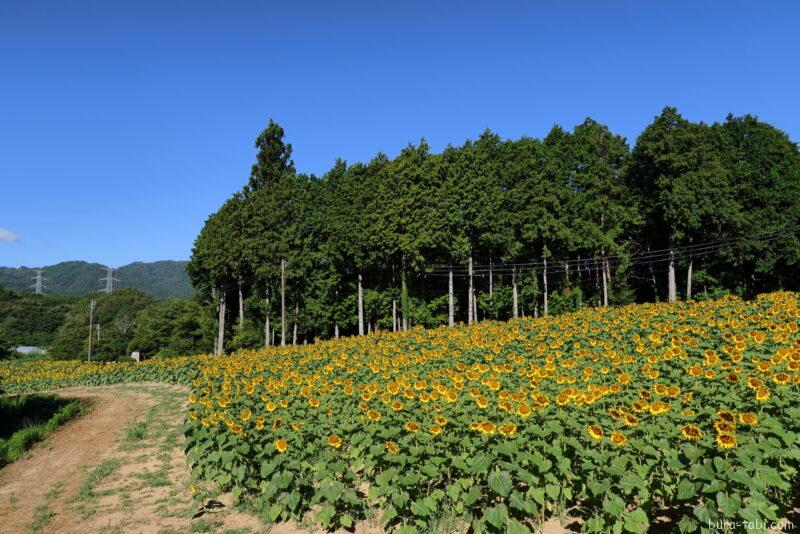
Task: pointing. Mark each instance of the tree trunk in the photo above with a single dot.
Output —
(394, 315)
(451, 319)
(221, 323)
(283, 303)
(241, 307)
(296, 312)
(336, 329)
(475, 304)
(544, 280)
(689, 280)
(514, 295)
(360, 307)
(266, 321)
(470, 308)
(672, 292)
(490, 285)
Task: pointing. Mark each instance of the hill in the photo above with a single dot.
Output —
(160, 279)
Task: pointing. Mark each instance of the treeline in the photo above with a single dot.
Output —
(130, 320)
(496, 229)
(28, 319)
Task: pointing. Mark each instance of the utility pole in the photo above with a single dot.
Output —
(38, 285)
(109, 280)
(92, 306)
(283, 302)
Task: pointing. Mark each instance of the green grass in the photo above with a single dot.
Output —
(205, 525)
(42, 516)
(88, 489)
(136, 432)
(27, 419)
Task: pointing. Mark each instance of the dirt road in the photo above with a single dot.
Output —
(120, 468)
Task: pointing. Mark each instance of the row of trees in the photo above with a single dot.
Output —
(496, 229)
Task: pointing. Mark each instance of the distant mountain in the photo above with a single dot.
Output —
(161, 279)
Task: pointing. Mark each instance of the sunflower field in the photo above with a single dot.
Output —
(686, 414)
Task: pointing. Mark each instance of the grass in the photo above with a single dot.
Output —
(88, 490)
(205, 525)
(136, 432)
(42, 516)
(27, 419)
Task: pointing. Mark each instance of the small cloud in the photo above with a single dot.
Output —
(7, 235)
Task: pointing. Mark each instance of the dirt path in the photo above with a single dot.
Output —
(119, 468)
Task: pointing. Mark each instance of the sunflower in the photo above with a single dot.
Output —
(726, 441)
(763, 394)
(748, 418)
(595, 432)
(313, 402)
(281, 445)
(391, 446)
(397, 405)
(335, 441)
(508, 429)
(487, 427)
(631, 420)
(691, 432)
(374, 415)
(246, 414)
(618, 438)
(524, 411)
(435, 430)
(482, 402)
(723, 427)
(271, 406)
(725, 415)
(658, 408)
(411, 426)
(781, 379)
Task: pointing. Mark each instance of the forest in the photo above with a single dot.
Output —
(497, 229)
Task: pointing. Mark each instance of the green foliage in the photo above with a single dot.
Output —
(115, 313)
(26, 419)
(171, 328)
(28, 319)
(582, 200)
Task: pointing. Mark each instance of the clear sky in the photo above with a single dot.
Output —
(123, 125)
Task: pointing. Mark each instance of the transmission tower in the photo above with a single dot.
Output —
(109, 280)
(39, 282)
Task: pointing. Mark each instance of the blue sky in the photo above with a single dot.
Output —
(123, 125)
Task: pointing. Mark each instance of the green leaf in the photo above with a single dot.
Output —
(346, 520)
(685, 490)
(496, 515)
(726, 504)
(500, 482)
(515, 527)
(419, 509)
(614, 505)
(687, 524)
(636, 521)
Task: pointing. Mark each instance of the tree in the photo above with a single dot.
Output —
(171, 328)
(600, 209)
(273, 160)
(114, 320)
(682, 186)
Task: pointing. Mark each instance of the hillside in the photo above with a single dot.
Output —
(160, 279)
